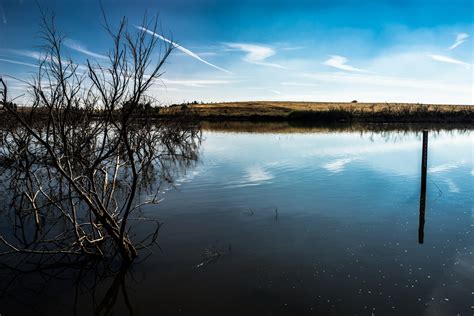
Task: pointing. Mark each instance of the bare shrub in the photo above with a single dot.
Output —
(78, 154)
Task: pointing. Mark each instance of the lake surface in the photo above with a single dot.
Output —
(299, 223)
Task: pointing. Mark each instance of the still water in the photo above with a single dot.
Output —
(300, 222)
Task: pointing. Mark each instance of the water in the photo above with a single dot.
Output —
(311, 222)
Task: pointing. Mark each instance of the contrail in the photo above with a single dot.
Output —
(181, 48)
(81, 49)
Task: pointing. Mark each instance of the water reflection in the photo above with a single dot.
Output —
(299, 223)
(106, 305)
(100, 287)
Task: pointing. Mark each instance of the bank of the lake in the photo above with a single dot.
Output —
(294, 113)
(314, 112)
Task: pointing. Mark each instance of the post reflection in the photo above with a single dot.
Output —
(424, 161)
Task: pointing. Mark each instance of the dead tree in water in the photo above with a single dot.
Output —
(78, 155)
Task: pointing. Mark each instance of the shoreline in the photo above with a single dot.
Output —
(298, 127)
(320, 112)
(301, 113)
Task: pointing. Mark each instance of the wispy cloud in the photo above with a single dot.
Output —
(268, 89)
(17, 62)
(2, 13)
(290, 48)
(74, 45)
(182, 49)
(157, 88)
(340, 62)
(460, 38)
(275, 91)
(22, 52)
(388, 81)
(199, 54)
(38, 56)
(256, 54)
(299, 84)
(18, 87)
(449, 60)
(196, 83)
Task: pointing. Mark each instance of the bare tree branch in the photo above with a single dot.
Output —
(78, 155)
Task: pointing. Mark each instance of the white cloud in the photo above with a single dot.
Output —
(81, 49)
(182, 49)
(340, 62)
(449, 60)
(256, 54)
(460, 38)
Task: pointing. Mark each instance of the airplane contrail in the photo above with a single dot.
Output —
(181, 48)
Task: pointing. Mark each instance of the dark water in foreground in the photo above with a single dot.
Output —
(297, 224)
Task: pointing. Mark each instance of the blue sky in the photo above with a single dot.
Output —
(340, 50)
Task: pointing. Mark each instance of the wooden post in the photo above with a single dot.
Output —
(424, 163)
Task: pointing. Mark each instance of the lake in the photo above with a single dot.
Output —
(294, 221)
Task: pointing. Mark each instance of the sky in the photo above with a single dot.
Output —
(288, 50)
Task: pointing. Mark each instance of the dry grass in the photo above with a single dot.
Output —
(321, 111)
(284, 108)
(318, 112)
